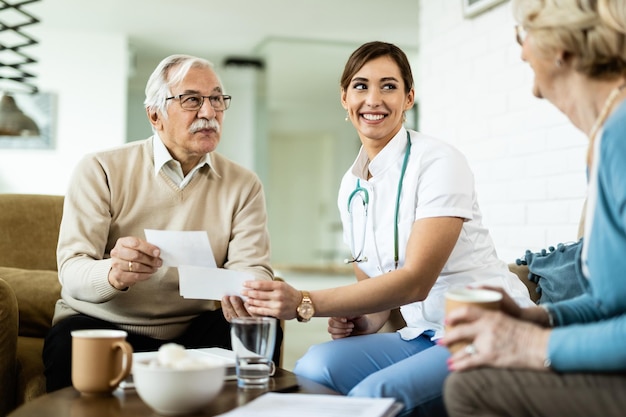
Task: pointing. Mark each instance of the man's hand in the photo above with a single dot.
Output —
(134, 260)
(233, 306)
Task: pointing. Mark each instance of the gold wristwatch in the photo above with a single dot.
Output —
(305, 310)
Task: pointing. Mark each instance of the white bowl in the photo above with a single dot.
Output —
(172, 392)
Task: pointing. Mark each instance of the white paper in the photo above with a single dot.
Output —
(199, 277)
(211, 283)
(310, 405)
(182, 248)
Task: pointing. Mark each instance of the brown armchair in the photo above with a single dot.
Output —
(29, 289)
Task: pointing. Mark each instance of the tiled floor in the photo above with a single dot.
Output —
(299, 336)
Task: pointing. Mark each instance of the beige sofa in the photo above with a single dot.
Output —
(29, 288)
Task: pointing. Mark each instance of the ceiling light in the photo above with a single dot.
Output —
(13, 122)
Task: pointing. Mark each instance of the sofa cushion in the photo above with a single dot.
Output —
(30, 230)
(37, 293)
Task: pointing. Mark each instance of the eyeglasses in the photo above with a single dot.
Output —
(194, 102)
(520, 34)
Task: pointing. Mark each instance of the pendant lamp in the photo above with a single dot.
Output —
(13, 75)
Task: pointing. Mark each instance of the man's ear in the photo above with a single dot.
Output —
(154, 118)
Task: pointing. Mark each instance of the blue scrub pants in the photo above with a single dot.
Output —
(382, 365)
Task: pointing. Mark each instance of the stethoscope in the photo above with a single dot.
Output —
(362, 194)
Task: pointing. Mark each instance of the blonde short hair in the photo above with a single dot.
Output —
(593, 32)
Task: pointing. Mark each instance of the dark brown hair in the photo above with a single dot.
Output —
(373, 50)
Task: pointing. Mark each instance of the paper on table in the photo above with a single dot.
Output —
(311, 405)
(182, 248)
(211, 283)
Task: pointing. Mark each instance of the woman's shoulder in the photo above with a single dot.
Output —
(435, 148)
(616, 123)
(614, 130)
(427, 140)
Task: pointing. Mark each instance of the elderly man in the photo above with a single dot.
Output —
(111, 276)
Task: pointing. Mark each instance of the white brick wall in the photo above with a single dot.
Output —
(476, 93)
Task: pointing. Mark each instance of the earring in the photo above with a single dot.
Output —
(403, 117)
(347, 117)
(559, 62)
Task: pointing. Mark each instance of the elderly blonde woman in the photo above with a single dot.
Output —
(568, 359)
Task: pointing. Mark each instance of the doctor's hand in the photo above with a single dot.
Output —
(272, 298)
(340, 327)
(133, 260)
(233, 306)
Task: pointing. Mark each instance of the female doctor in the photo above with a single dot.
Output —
(411, 219)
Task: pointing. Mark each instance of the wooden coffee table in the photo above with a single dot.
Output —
(69, 402)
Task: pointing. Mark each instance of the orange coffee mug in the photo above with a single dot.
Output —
(101, 359)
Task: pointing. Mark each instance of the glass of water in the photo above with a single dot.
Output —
(253, 340)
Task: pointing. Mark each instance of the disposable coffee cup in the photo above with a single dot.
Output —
(101, 359)
(465, 296)
(253, 340)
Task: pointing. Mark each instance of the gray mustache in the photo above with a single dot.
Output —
(201, 124)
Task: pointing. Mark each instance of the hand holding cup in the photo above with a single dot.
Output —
(466, 296)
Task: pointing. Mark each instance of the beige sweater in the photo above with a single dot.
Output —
(115, 193)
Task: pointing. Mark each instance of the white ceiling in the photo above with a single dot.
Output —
(304, 43)
(239, 27)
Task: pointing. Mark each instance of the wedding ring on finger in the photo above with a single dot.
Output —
(130, 266)
(471, 350)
